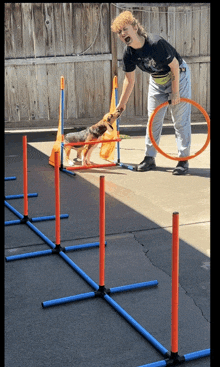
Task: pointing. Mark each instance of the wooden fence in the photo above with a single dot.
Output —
(46, 40)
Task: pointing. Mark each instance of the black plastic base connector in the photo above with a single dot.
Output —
(57, 249)
(175, 359)
(102, 291)
(25, 219)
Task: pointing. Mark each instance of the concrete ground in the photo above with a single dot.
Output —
(139, 207)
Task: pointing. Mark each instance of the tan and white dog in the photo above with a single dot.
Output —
(92, 133)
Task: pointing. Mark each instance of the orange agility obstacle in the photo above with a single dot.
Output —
(108, 139)
(150, 124)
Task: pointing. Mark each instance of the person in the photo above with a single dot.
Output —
(169, 80)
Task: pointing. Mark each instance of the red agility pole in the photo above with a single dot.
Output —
(25, 179)
(102, 232)
(91, 166)
(92, 142)
(57, 198)
(175, 284)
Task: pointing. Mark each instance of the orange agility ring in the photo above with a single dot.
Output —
(200, 108)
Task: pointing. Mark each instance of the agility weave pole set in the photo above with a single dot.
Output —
(101, 291)
(24, 219)
(60, 137)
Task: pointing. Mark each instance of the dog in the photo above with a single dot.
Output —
(93, 133)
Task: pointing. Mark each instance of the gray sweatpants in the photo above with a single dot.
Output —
(181, 113)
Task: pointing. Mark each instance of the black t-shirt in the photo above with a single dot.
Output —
(153, 57)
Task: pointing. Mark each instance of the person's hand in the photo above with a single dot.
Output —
(175, 98)
(121, 107)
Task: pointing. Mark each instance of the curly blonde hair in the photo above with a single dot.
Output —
(126, 17)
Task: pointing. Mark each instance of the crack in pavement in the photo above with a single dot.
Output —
(146, 252)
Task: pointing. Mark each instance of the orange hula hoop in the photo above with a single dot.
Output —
(200, 108)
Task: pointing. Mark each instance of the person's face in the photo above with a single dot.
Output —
(128, 34)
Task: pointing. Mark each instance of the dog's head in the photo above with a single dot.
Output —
(109, 118)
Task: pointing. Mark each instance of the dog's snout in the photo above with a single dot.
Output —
(109, 118)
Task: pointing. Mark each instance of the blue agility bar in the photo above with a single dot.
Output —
(155, 364)
(40, 234)
(66, 171)
(197, 355)
(37, 219)
(82, 247)
(10, 178)
(79, 271)
(188, 357)
(131, 287)
(20, 196)
(12, 222)
(48, 217)
(13, 210)
(31, 226)
(28, 255)
(128, 166)
(60, 301)
(136, 325)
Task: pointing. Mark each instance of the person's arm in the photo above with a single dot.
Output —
(174, 67)
(127, 88)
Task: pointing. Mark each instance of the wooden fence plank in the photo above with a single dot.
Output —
(59, 29)
(70, 92)
(42, 91)
(77, 28)
(154, 20)
(9, 35)
(39, 30)
(23, 95)
(17, 29)
(99, 88)
(145, 93)
(105, 28)
(49, 29)
(32, 92)
(171, 19)
(12, 103)
(195, 30)
(163, 22)
(179, 27)
(27, 30)
(204, 31)
(68, 27)
(195, 85)
(187, 39)
(107, 86)
(53, 85)
(138, 92)
(203, 85)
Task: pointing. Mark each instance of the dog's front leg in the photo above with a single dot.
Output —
(84, 156)
(90, 150)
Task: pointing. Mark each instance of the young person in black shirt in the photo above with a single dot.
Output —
(169, 79)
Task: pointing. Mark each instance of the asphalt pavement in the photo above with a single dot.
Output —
(139, 207)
